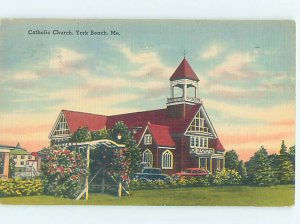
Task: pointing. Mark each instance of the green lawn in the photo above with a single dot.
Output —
(205, 196)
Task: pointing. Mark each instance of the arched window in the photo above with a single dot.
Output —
(148, 157)
(167, 160)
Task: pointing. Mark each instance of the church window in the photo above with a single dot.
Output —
(197, 124)
(148, 157)
(148, 139)
(62, 127)
(167, 160)
(198, 141)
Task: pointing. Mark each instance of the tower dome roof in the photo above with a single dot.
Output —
(184, 71)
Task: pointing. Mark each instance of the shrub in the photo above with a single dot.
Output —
(160, 184)
(19, 187)
(63, 172)
(227, 177)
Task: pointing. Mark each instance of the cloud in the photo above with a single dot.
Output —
(212, 52)
(236, 66)
(229, 91)
(149, 63)
(262, 114)
(25, 76)
(66, 60)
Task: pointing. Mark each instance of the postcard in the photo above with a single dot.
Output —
(147, 112)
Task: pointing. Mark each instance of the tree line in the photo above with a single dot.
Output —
(264, 169)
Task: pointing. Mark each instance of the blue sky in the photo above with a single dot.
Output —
(246, 71)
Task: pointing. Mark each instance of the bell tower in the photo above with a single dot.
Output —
(183, 90)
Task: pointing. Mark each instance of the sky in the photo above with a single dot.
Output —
(246, 71)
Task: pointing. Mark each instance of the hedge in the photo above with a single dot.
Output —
(19, 187)
(224, 177)
(160, 184)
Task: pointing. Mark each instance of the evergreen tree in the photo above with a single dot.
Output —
(286, 174)
(242, 171)
(260, 170)
(275, 163)
(283, 149)
(291, 155)
(12, 167)
(81, 135)
(231, 160)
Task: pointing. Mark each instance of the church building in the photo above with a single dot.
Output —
(174, 138)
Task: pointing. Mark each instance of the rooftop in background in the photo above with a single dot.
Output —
(16, 148)
(19, 152)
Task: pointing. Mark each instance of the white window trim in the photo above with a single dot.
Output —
(149, 154)
(162, 160)
(206, 163)
(194, 139)
(211, 130)
(147, 139)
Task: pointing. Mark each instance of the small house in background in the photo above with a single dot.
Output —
(20, 156)
(26, 163)
(36, 161)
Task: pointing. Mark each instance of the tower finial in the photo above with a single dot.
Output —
(184, 53)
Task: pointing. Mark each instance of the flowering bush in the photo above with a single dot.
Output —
(63, 172)
(18, 187)
(112, 161)
(227, 177)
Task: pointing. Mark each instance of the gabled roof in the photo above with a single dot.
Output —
(76, 120)
(184, 71)
(161, 135)
(137, 119)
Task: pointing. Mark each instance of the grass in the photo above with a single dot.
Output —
(206, 196)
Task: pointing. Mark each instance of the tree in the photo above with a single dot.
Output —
(286, 174)
(283, 149)
(121, 134)
(81, 135)
(231, 160)
(260, 170)
(101, 134)
(12, 167)
(275, 163)
(291, 155)
(242, 171)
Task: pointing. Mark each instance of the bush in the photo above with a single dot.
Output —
(19, 187)
(160, 184)
(63, 172)
(227, 177)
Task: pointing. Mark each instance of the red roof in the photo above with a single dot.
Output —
(184, 71)
(76, 120)
(160, 117)
(162, 135)
(137, 119)
(35, 154)
(216, 143)
(160, 125)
